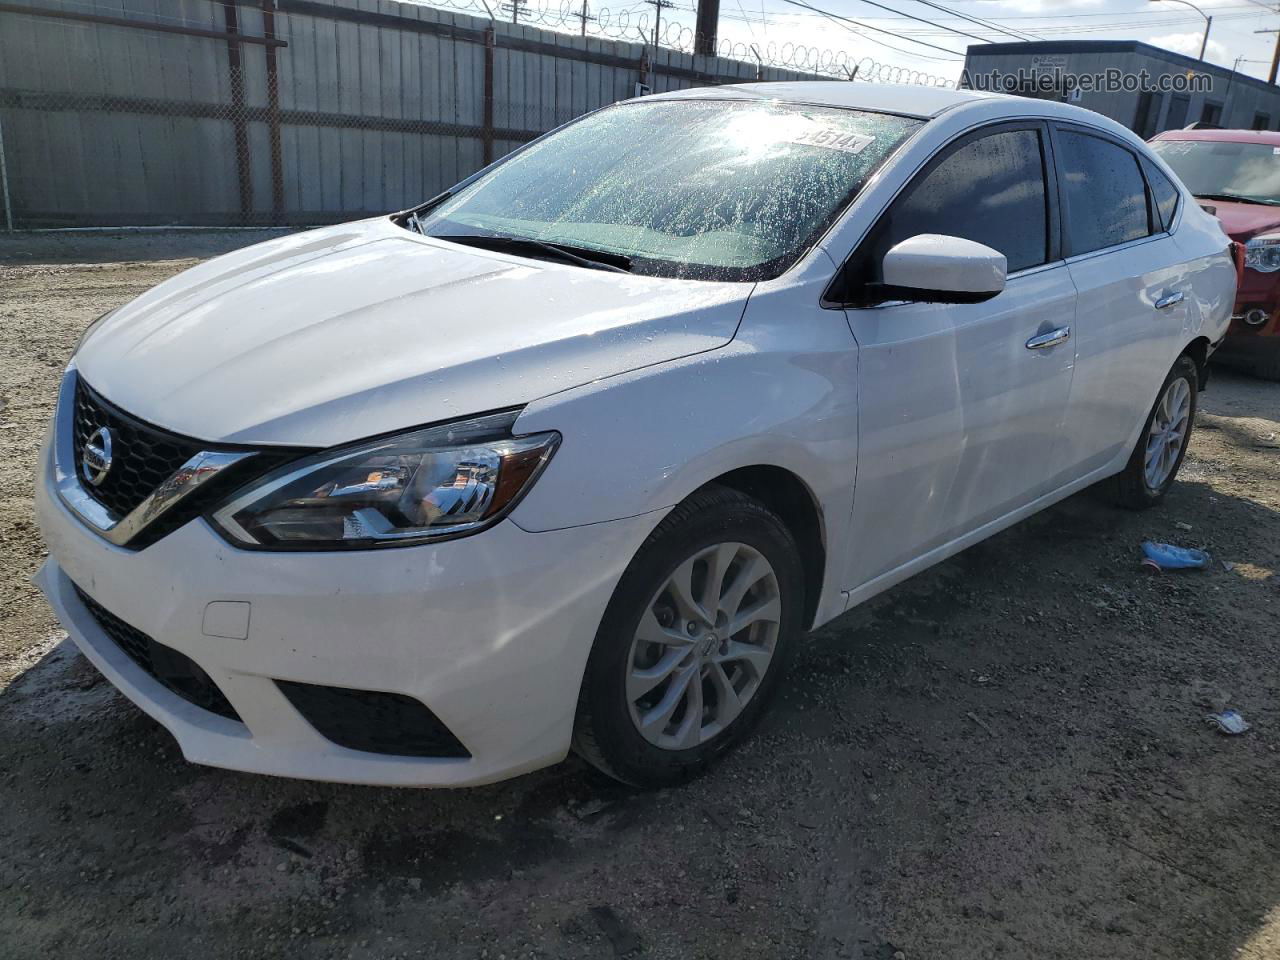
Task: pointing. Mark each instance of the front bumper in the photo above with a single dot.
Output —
(490, 632)
(1245, 341)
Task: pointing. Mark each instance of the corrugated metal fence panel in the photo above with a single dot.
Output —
(93, 141)
(377, 105)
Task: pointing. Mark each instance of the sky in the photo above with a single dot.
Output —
(937, 49)
(1161, 23)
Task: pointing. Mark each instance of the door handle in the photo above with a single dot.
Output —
(1170, 300)
(1050, 339)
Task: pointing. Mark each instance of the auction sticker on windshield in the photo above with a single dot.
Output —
(833, 139)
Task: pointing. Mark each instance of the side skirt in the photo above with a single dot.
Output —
(909, 569)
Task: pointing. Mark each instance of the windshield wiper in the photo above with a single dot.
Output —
(582, 256)
(413, 218)
(1237, 198)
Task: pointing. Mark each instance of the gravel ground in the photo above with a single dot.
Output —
(1004, 757)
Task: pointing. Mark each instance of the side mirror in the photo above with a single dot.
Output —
(934, 268)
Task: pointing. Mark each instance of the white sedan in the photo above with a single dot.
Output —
(572, 456)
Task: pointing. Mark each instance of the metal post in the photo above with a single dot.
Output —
(707, 28)
(239, 121)
(1208, 22)
(4, 185)
(273, 114)
(658, 6)
(490, 42)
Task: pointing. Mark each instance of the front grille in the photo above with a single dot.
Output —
(178, 672)
(375, 722)
(142, 456)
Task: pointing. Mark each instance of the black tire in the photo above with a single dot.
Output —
(604, 733)
(1130, 489)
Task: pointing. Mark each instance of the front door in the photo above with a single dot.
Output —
(961, 406)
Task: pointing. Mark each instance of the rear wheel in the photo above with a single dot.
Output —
(694, 641)
(1163, 443)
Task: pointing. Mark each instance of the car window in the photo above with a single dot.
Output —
(1105, 196)
(698, 189)
(1165, 194)
(1248, 172)
(990, 190)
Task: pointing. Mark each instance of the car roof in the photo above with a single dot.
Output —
(1270, 137)
(914, 100)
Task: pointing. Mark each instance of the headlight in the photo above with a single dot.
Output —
(438, 482)
(1263, 253)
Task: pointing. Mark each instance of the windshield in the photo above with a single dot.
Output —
(1218, 168)
(701, 189)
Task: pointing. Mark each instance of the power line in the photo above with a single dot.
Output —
(931, 23)
(933, 29)
(867, 26)
(911, 53)
(516, 7)
(857, 31)
(980, 22)
(658, 7)
(1044, 18)
(1106, 13)
(1093, 28)
(747, 20)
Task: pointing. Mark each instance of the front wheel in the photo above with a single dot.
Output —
(693, 642)
(1163, 442)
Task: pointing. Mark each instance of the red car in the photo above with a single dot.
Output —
(1236, 174)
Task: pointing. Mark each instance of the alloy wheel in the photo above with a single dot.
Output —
(703, 646)
(1168, 434)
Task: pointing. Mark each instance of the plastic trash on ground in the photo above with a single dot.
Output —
(1165, 556)
(1228, 721)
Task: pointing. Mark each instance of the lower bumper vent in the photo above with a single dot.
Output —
(176, 671)
(375, 722)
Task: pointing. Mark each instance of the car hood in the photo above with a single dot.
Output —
(1242, 221)
(333, 335)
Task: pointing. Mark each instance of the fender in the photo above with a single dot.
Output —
(783, 393)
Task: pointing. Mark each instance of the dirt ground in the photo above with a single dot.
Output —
(1004, 757)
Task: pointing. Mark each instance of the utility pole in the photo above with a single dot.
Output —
(584, 17)
(516, 7)
(706, 28)
(658, 7)
(1275, 57)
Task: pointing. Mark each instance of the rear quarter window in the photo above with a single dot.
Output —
(1164, 193)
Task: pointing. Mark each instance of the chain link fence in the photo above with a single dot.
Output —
(76, 159)
(294, 112)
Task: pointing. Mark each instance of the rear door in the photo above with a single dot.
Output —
(1132, 295)
(959, 418)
